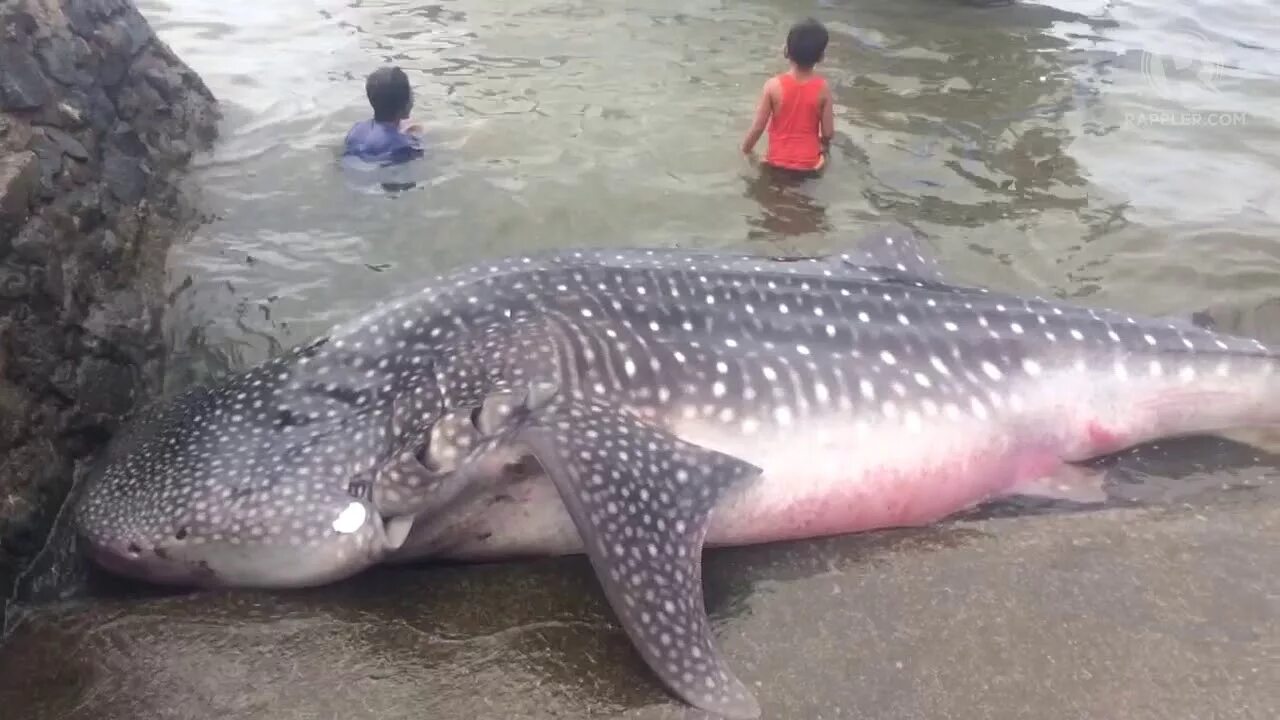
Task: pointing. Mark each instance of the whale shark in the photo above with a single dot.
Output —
(638, 405)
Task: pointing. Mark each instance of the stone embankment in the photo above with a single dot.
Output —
(98, 119)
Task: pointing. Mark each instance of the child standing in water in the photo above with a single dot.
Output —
(385, 139)
(796, 106)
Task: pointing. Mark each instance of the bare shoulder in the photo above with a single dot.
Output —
(773, 88)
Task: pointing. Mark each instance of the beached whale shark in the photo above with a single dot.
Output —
(638, 404)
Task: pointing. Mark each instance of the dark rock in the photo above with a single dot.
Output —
(166, 80)
(139, 98)
(50, 169)
(129, 224)
(52, 283)
(22, 86)
(66, 143)
(33, 360)
(6, 342)
(102, 112)
(112, 69)
(124, 176)
(33, 480)
(62, 57)
(85, 206)
(112, 248)
(78, 173)
(119, 41)
(14, 283)
(125, 139)
(125, 35)
(19, 175)
(85, 17)
(34, 244)
(82, 281)
(121, 323)
(15, 136)
(104, 389)
(89, 203)
(15, 406)
(64, 379)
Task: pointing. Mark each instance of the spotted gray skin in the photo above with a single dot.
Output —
(664, 399)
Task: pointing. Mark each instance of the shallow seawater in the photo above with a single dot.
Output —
(1121, 153)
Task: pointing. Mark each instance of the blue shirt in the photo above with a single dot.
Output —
(384, 143)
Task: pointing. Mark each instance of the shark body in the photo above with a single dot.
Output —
(636, 405)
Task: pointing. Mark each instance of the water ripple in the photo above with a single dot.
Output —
(1044, 143)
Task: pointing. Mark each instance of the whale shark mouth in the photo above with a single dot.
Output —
(154, 566)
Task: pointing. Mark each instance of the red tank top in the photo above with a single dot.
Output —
(795, 126)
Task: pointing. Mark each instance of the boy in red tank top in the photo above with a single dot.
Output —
(796, 106)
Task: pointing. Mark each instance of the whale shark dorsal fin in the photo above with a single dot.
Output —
(642, 500)
(893, 246)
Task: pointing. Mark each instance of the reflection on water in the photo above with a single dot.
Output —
(786, 208)
(1123, 152)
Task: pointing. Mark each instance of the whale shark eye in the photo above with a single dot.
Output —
(181, 534)
(134, 549)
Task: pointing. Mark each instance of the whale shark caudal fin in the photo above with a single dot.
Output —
(642, 500)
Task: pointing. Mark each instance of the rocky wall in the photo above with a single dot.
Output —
(98, 119)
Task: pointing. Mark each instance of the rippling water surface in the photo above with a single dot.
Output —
(1119, 152)
(1125, 151)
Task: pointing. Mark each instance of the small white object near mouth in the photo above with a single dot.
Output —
(350, 519)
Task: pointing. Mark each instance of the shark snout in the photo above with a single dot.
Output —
(155, 562)
(307, 546)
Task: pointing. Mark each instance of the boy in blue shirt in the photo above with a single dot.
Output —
(383, 140)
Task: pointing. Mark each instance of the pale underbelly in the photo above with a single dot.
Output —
(820, 478)
(901, 465)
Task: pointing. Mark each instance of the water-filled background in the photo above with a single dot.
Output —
(1123, 153)
(1116, 152)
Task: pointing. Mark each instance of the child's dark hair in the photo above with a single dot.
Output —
(806, 43)
(389, 94)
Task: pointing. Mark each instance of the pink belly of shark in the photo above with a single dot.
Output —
(844, 472)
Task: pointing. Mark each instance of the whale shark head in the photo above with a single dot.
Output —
(254, 483)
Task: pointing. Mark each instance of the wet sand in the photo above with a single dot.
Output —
(1159, 613)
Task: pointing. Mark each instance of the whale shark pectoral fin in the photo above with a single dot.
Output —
(893, 246)
(642, 500)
